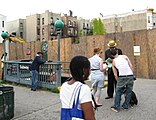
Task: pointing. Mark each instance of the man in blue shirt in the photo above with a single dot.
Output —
(35, 69)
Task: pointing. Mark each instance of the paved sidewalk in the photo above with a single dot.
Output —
(44, 105)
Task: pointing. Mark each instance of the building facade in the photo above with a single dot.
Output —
(2, 25)
(33, 28)
(84, 27)
(47, 28)
(70, 28)
(135, 20)
(40, 27)
(17, 27)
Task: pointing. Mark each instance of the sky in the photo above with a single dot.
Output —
(88, 9)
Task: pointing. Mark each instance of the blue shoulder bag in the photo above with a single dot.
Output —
(73, 113)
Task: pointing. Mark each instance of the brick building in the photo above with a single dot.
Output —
(70, 28)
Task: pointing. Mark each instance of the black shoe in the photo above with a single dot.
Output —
(115, 109)
(108, 97)
(33, 89)
(124, 108)
(98, 105)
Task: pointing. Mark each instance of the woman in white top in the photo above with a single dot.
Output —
(97, 74)
(80, 70)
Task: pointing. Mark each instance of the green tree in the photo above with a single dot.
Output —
(80, 33)
(98, 27)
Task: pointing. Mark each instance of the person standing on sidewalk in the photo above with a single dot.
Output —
(35, 70)
(108, 59)
(125, 79)
(97, 74)
(80, 70)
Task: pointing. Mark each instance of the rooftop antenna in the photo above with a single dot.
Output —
(101, 14)
(70, 13)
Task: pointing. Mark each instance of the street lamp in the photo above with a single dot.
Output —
(59, 24)
(4, 35)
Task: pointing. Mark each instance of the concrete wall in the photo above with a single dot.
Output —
(144, 64)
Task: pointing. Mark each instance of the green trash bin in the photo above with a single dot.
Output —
(6, 102)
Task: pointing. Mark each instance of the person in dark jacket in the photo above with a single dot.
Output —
(35, 70)
(108, 59)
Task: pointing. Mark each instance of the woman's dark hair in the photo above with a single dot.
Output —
(77, 64)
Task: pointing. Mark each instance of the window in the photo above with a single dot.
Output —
(21, 25)
(21, 34)
(38, 21)
(38, 31)
(148, 19)
(75, 32)
(52, 31)
(69, 23)
(69, 32)
(42, 31)
(2, 23)
(84, 25)
(74, 23)
(87, 25)
(51, 20)
(42, 21)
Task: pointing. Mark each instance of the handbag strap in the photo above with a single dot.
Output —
(75, 105)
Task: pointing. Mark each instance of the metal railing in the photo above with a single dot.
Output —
(19, 72)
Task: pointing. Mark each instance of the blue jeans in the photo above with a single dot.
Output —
(122, 83)
(34, 79)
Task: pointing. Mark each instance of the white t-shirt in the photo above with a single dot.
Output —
(122, 65)
(68, 92)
